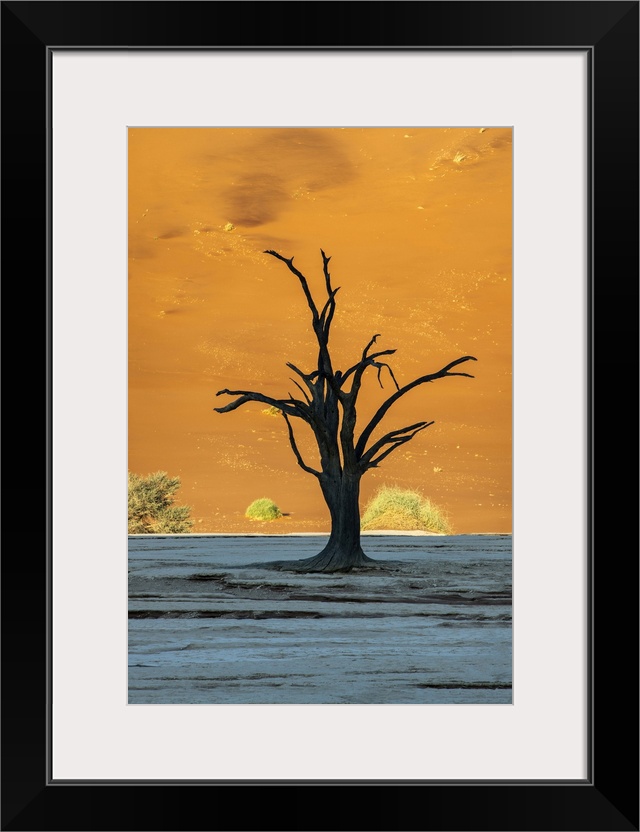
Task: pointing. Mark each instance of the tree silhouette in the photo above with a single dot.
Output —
(328, 406)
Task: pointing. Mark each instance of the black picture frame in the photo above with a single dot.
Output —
(608, 798)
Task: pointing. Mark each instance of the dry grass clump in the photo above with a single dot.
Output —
(152, 509)
(263, 509)
(398, 509)
(272, 411)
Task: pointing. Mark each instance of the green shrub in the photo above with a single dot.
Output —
(403, 510)
(263, 509)
(151, 505)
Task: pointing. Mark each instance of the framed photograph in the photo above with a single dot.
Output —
(139, 128)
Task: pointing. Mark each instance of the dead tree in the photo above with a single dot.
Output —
(328, 405)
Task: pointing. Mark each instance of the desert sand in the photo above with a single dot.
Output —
(418, 223)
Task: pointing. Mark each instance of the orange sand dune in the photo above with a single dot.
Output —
(418, 223)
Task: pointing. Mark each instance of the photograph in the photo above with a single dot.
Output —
(320, 415)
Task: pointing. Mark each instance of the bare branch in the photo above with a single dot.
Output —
(369, 361)
(366, 360)
(347, 373)
(308, 379)
(375, 462)
(325, 269)
(294, 446)
(380, 365)
(330, 305)
(384, 407)
(394, 437)
(303, 282)
(293, 407)
(375, 355)
(302, 390)
(369, 345)
(320, 328)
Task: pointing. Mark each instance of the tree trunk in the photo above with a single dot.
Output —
(343, 551)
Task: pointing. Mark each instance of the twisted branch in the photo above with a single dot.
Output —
(384, 407)
(303, 391)
(380, 365)
(303, 282)
(294, 446)
(368, 361)
(330, 305)
(292, 407)
(395, 438)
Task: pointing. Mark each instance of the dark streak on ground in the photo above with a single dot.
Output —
(465, 685)
(260, 615)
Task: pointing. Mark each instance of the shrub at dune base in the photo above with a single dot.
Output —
(263, 509)
(151, 505)
(397, 509)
